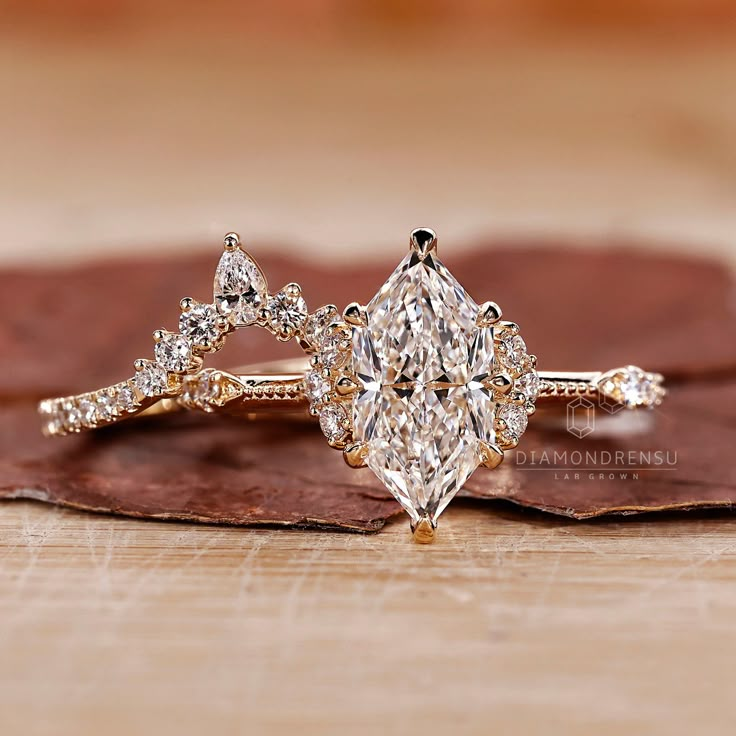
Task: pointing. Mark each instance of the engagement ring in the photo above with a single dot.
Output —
(422, 385)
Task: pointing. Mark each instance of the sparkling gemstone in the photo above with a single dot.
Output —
(240, 287)
(516, 420)
(528, 384)
(335, 349)
(173, 352)
(288, 314)
(632, 387)
(317, 323)
(72, 417)
(105, 407)
(126, 399)
(422, 407)
(317, 386)
(199, 324)
(151, 380)
(332, 422)
(55, 422)
(515, 352)
(88, 412)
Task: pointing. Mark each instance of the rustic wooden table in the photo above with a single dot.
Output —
(512, 623)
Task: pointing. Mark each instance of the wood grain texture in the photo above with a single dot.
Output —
(514, 624)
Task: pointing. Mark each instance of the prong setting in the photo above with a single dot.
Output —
(488, 314)
(355, 314)
(423, 530)
(423, 241)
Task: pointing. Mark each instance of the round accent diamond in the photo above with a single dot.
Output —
(317, 386)
(334, 351)
(514, 352)
(87, 412)
(151, 380)
(332, 423)
(105, 407)
(126, 399)
(173, 352)
(200, 325)
(317, 323)
(528, 384)
(515, 418)
(72, 417)
(288, 313)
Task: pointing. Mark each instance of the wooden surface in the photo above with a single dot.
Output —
(514, 624)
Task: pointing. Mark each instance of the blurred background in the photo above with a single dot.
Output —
(333, 128)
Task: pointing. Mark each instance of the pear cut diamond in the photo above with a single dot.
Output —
(423, 407)
(240, 287)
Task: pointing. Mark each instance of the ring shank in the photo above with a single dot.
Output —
(278, 386)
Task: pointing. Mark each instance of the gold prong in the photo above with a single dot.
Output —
(423, 531)
(501, 383)
(511, 327)
(186, 303)
(491, 456)
(517, 398)
(346, 386)
(355, 455)
(423, 241)
(355, 314)
(293, 290)
(139, 364)
(488, 314)
(314, 361)
(222, 322)
(159, 335)
(231, 241)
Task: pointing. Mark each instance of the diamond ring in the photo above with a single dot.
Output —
(422, 385)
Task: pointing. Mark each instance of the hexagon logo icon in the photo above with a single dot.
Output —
(580, 417)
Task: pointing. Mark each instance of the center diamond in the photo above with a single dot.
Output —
(422, 408)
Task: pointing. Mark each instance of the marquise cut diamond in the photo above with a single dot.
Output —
(423, 407)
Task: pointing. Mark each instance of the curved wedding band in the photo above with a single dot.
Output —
(422, 385)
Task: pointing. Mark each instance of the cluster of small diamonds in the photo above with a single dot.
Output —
(515, 406)
(240, 298)
(333, 348)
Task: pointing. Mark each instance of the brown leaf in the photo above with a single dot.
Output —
(81, 328)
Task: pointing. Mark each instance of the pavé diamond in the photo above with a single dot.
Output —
(516, 420)
(105, 407)
(422, 407)
(173, 352)
(514, 353)
(126, 399)
(331, 421)
(88, 412)
(240, 287)
(528, 384)
(317, 385)
(316, 324)
(151, 380)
